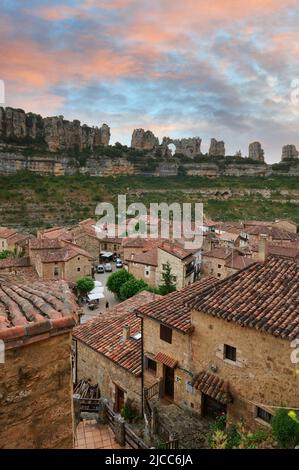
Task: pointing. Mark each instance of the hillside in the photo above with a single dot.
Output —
(31, 200)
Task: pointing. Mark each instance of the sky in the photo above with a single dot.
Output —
(227, 69)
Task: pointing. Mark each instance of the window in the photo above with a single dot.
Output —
(230, 353)
(150, 365)
(56, 271)
(78, 259)
(174, 278)
(147, 271)
(78, 269)
(263, 415)
(166, 333)
(219, 266)
(219, 274)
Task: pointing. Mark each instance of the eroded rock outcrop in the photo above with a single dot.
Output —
(255, 152)
(217, 148)
(289, 152)
(144, 140)
(187, 147)
(58, 133)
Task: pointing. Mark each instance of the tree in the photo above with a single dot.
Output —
(6, 254)
(85, 285)
(131, 288)
(117, 279)
(285, 428)
(168, 280)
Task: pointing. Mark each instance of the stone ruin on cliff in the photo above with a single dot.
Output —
(217, 148)
(144, 140)
(289, 152)
(255, 152)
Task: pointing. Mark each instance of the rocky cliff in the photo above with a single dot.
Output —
(56, 132)
(56, 146)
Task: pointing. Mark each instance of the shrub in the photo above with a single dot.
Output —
(117, 279)
(85, 285)
(131, 288)
(285, 429)
(6, 254)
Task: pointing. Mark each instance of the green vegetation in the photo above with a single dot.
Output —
(29, 200)
(131, 288)
(6, 254)
(285, 428)
(85, 285)
(168, 280)
(234, 436)
(117, 280)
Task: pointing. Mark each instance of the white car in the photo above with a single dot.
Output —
(108, 268)
(119, 263)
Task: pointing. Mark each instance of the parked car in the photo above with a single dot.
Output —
(100, 268)
(119, 263)
(108, 267)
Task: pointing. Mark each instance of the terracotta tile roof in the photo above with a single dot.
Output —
(104, 334)
(212, 386)
(175, 249)
(67, 252)
(57, 233)
(14, 262)
(18, 237)
(149, 258)
(7, 232)
(35, 308)
(44, 244)
(171, 309)
(166, 360)
(220, 253)
(131, 242)
(239, 262)
(262, 296)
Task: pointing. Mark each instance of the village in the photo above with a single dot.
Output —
(131, 342)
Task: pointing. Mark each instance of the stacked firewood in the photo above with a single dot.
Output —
(86, 389)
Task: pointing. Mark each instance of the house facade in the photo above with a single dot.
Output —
(36, 403)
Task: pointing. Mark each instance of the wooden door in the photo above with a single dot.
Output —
(212, 408)
(120, 399)
(169, 382)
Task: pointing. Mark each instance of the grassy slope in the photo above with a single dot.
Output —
(32, 200)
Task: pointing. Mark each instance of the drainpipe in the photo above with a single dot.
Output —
(142, 363)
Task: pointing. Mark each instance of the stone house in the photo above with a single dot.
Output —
(36, 406)
(167, 351)
(108, 351)
(84, 235)
(144, 266)
(11, 239)
(222, 262)
(60, 233)
(243, 333)
(184, 263)
(225, 347)
(59, 259)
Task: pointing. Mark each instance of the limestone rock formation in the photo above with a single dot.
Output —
(255, 152)
(57, 132)
(289, 152)
(144, 140)
(217, 148)
(187, 147)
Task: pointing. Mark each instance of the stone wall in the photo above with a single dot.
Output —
(139, 270)
(95, 366)
(263, 372)
(180, 349)
(36, 395)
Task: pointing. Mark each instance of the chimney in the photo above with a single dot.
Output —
(126, 333)
(263, 248)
